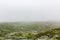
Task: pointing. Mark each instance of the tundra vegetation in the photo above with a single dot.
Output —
(30, 31)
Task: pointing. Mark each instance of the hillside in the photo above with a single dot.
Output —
(25, 29)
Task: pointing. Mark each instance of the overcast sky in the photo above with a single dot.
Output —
(29, 10)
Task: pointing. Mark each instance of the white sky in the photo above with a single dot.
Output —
(29, 10)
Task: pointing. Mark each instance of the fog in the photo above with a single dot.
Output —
(29, 10)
